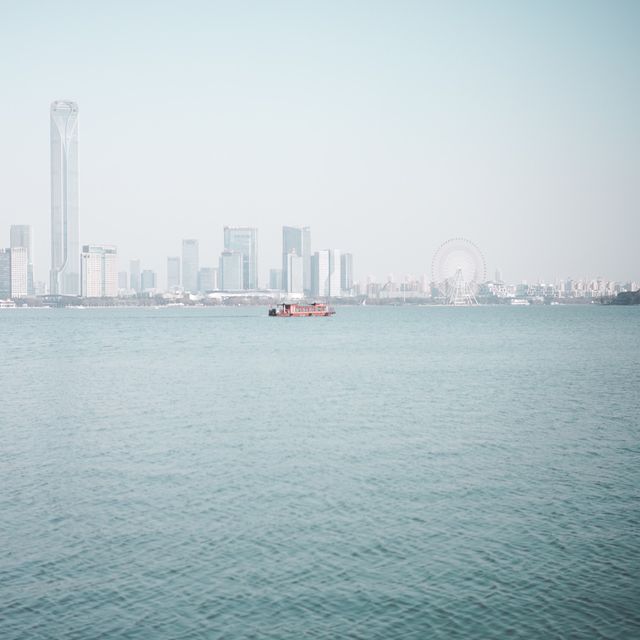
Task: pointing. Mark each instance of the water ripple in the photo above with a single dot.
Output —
(390, 473)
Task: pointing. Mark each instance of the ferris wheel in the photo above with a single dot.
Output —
(457, 269)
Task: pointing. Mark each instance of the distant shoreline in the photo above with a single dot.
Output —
(232, 302)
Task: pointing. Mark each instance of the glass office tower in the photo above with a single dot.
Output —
(65, 240)
(173, 273)
(297, 239)
(190, 265)
(244, 240)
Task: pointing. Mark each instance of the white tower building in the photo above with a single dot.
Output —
(99, 271)
(21, 237)
(19, 272)
(65, 242)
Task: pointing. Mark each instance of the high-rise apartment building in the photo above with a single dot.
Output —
(244, 240)
(190, 265)
(65, 238)
(346, 273)
(99, 271)
(173, 273)
(5, 274)
(122, 280)
(19, 272)
(21, 237)
(230, 271)
(134, 276)
(326, 279)
(90, 273)
(297, 239)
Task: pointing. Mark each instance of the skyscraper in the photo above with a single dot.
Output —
(207, 279)
(19, 272)
(134, 276)
(335, 278)
(173, 273)
(21, 237)
(230, 271)
(326, 273)
(99, 271)
(295, 277)
(319, 272)
(346, 273)
(275, 279)
(148, 281)
(297, 239)
(244, 240)
(190, 265)
(5, 274)
(306, 259)
(65, 239)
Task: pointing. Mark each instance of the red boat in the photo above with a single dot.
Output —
(293, 310)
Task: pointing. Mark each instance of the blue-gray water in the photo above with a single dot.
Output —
(386, 473)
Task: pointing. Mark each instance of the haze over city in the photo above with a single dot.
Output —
(387, 128)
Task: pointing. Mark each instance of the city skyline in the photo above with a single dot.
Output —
(386, 143)
(458, 276)
(330, 272)
(318, 274)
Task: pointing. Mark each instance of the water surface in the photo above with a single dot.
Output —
(403, 472)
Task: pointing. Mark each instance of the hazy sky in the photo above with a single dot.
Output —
(388, 127)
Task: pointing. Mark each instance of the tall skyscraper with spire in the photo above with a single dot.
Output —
(65, 235)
